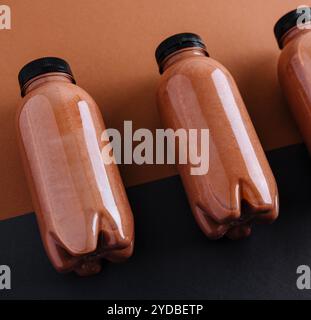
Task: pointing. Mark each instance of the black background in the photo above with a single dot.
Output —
(172, 258)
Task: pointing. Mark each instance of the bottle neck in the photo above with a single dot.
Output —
(181, 55)
(44, 78)
(292, 34)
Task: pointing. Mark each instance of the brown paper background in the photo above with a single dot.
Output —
(110, 46)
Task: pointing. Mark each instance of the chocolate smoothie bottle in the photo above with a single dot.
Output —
(196, 92)
(79, 200)
(293, 34)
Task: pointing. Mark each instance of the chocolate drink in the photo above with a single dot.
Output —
(294, 68)
(80, 202)
(196, 92)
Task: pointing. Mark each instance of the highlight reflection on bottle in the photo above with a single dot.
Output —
(80, 202)
(196, 92)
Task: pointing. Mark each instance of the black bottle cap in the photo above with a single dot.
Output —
(289, 21)
(41, 66)
(177, 42)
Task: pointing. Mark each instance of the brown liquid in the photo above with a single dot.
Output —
(196, 92)
(294, 71)
(80, 203)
